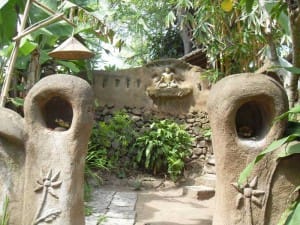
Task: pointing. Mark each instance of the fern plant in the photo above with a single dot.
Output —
(163, 148)
(109, 143)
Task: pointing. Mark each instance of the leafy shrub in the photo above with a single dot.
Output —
(109, 143)
(163, 148)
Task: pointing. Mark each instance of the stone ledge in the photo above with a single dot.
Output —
(172, 92)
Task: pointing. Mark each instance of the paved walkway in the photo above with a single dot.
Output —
(112, 208)
(150, 207)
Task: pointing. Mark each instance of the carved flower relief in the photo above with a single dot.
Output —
(248, 194)
(49, 182)
(46, 185)
(249, 191)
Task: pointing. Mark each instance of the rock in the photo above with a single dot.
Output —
(202, 144)
(137, 112)
(110, 106)
(206, 126)
(197, 151)
(211, 160)
(136, 118)
(205, 194)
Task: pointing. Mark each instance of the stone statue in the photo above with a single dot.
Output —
(167, 79)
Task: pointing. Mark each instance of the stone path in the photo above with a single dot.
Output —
(112, 208)
(169, 206)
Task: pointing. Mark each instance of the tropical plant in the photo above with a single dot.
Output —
(110, 143)
(163, 148)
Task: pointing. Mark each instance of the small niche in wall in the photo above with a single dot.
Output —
(104, 82)
(252, 120)
(117, 82)
(58, 114)
(127, 82)
(138, 83)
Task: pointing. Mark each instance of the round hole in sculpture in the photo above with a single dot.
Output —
(253, 120)
(58, 114)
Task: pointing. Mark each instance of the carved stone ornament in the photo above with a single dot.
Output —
(46, 185)
(168, 85)
(248, 194)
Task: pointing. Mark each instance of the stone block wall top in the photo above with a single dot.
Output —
(169, 85)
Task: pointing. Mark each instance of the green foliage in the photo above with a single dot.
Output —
(88, 210)
(4, 217)
(109, 144)
(163, 148)
(101, 219)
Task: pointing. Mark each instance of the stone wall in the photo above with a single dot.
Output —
(196, 124)
(142, 87)
(168, 88)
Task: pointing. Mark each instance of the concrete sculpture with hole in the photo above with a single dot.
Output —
(42, 155)
(241, 109)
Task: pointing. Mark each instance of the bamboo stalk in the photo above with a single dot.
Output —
(13, 58)
(36, 27)
(46, 8)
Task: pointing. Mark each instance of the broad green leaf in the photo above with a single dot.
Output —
(287, 213)
(295, 109)
(294, 219)
(272, 147)
(294, 70)
(291, 149)
(70, 65)
(17, 101)
(27, 47)
(9, 18)
(44, 57)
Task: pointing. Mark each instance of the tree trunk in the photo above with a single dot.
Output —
(294, 16)
(185, 31)
(33, 70)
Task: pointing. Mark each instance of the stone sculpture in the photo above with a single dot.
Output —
(167, 79)
(169, 85)
(241, 110)
(51, 144)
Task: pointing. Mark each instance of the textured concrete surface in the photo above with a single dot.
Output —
(169, 207)
(111, 207)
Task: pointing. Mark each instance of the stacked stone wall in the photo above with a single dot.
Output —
(195, 123)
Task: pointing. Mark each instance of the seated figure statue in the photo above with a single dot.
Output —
(167, 80)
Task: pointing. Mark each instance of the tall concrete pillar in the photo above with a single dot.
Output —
(241, 109)
(12, 160)
(58, 119)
